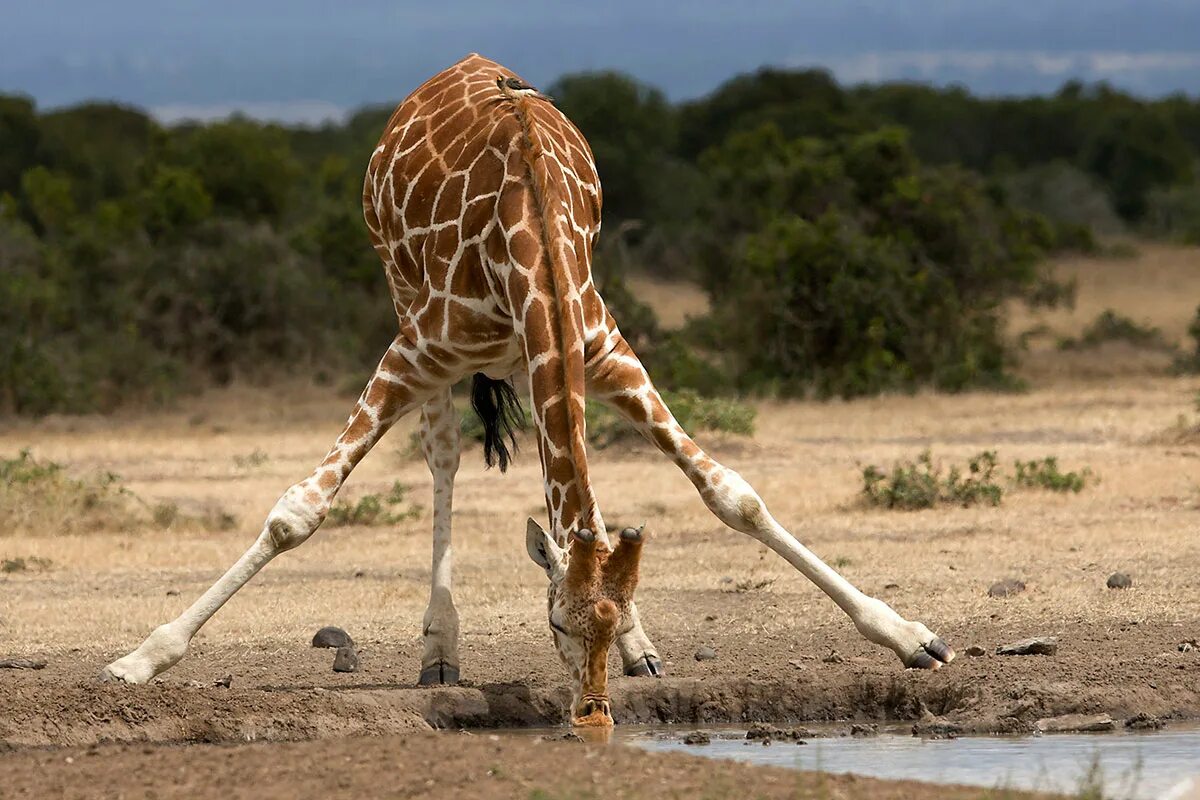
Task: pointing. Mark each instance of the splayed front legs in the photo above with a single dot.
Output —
(398, 385)
(616, 375)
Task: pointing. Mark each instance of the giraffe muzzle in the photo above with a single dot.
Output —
(594, 711)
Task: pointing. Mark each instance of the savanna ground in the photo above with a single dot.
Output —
(785, 653)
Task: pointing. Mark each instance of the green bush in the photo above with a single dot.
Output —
(1045, 474)
(374, 509)
(847, 269)
(1174, 213)
(1109, 326)
(913, 485)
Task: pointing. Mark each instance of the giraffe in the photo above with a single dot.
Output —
(483, 203)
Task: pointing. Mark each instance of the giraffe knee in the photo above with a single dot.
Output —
(735, 502)
(294, 518)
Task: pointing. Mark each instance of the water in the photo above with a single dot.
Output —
(1157, 764)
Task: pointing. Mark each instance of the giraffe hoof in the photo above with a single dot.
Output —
(439, 674)
(632, 534)
(646, 667)
(931, 656)
(584, 535)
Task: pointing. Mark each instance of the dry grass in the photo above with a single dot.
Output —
(107, 590)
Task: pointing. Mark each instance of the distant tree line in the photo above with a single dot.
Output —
(853, 240)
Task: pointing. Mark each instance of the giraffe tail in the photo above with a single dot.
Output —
(498, 407)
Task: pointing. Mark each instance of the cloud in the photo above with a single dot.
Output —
(943, 64)
(292, 112)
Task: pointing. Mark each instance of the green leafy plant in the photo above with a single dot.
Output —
(1045, 474)
(917, 484)
(374, 509)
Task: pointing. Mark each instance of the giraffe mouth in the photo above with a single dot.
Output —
(593, 712)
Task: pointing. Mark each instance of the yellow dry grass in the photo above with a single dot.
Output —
(105, 591)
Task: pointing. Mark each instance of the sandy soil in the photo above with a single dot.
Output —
(785, 653)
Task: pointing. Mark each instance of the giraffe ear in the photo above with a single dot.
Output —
(545, 552)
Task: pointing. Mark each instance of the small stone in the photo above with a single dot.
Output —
(22, 663)
(223, 683)
(360, 573)
(832, 658)
(1076, 723)
(864, 730)
(697, 737)
(346, 660)
(975, 651)
(706, 653)
(1144, 722)
(1006, 588)
(1119, 580)
(726, 579)
(172, 593)
(1037, 646)
(710, 617)
(1188, 645)
(329, 636)
(891, 586)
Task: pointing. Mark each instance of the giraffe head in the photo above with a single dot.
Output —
(591, 592)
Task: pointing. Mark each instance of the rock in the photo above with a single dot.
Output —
(936, 730)
(1006, 588)
(1119, 580)
(172, 593)
(22, 663)
(565, 737)
(329, 636)
(832, 658)
(346, 660)
(223, 683)
(1076, 723)
(761, 730)
(891, 586)
(1144, 722)
(706, 653)
(1188, 645)
(864, 730)
(975, 651)
(1037, 646)
(697, 737)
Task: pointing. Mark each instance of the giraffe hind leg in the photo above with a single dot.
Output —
(397, 386)
(440, 445)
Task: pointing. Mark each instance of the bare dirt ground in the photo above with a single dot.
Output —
(785, 653)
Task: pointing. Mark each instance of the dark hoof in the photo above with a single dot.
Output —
(646, 667)
(584, 535)
(632, 534)
(439, 674)
(931, 656)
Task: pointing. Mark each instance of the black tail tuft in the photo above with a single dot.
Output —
(499, 409)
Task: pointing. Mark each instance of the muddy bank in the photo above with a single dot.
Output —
(989, 694)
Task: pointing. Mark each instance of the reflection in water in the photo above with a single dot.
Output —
(1144, 765)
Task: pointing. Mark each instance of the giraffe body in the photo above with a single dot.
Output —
(483, 203)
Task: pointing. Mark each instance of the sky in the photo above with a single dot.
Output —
(306, 60)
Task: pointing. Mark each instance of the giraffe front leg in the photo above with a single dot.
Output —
(397, 386)
(440, 444)
(639, 656)
(617, 376)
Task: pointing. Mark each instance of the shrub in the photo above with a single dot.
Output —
(918, 484)
(38, 496)
(1045, 474)
(374, 509)
(846, 268)
(1109, 326)
(1174, 213)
